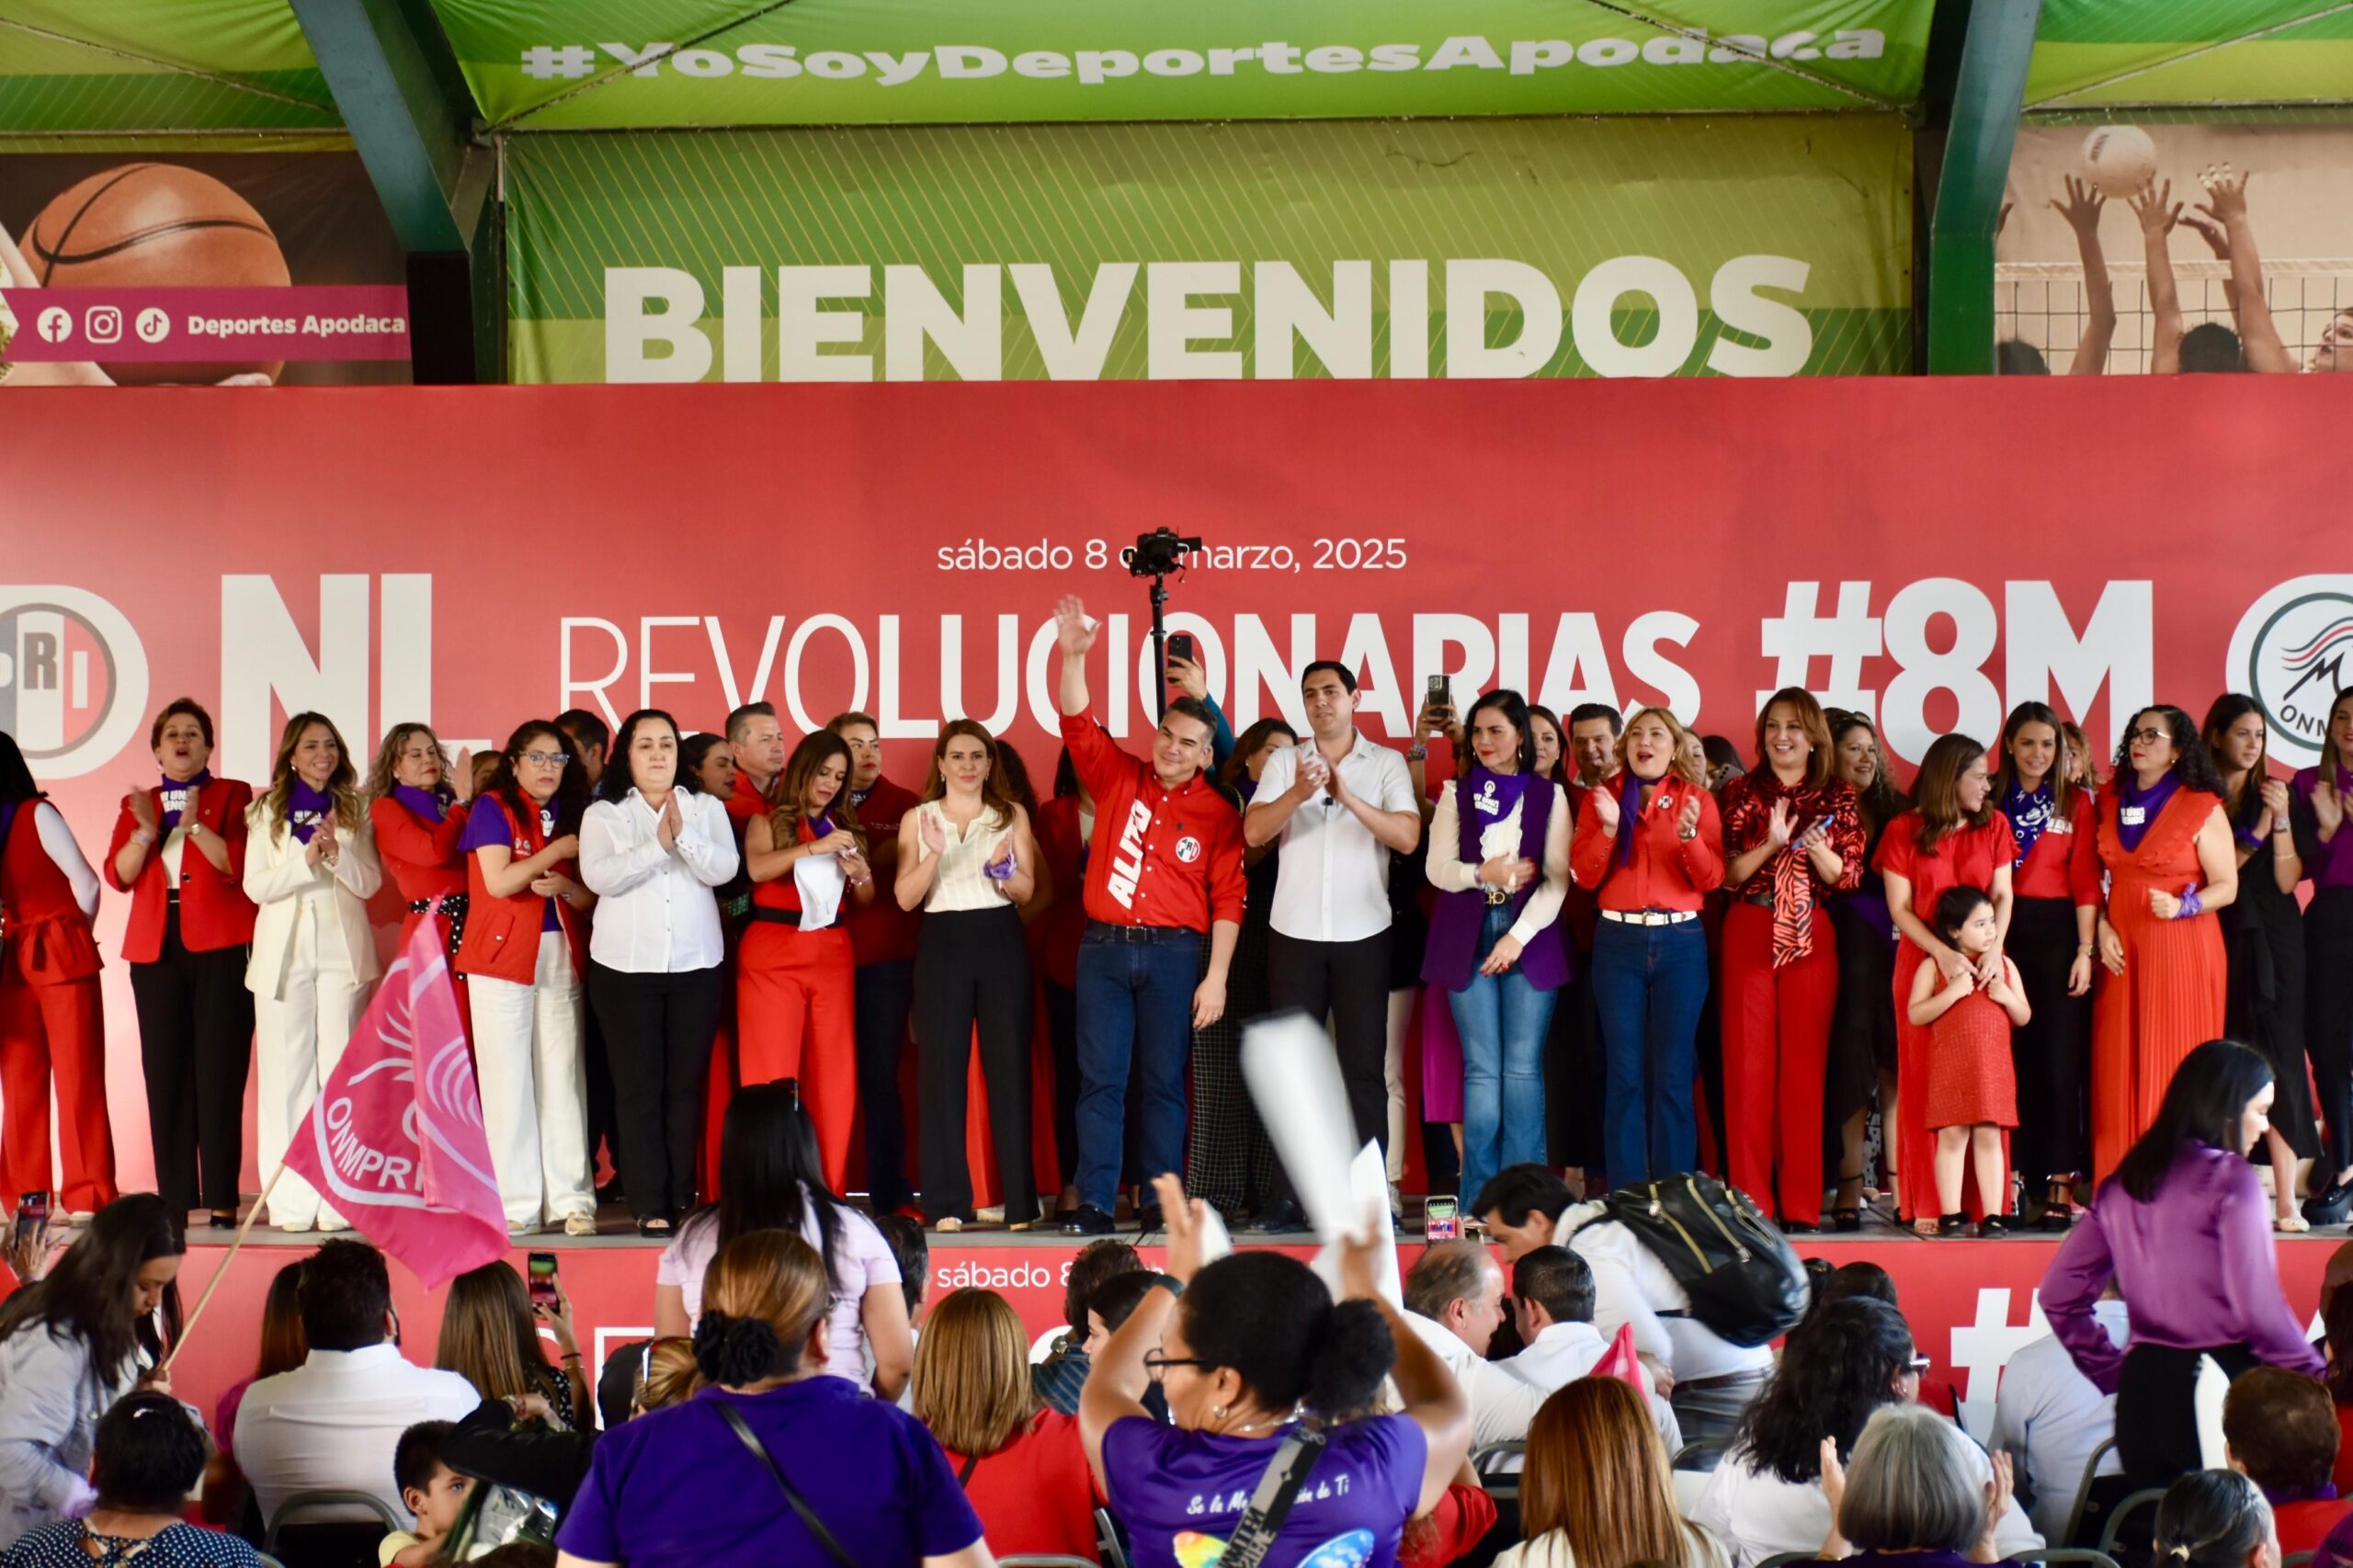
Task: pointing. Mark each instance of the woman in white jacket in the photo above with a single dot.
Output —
(310, 869)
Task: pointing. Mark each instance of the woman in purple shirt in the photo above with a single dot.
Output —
(2183, 1229)
(2316, 813)
(1253, 1355)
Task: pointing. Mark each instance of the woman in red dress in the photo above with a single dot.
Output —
(1952, 837)
(417, 803)
(2163, 987)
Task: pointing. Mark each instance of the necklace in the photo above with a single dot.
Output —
(1251, 1428)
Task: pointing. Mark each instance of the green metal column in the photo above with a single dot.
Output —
(1987, 103)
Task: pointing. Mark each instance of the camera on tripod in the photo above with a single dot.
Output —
(1159, 553)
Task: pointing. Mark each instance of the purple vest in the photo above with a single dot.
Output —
(1452, 958)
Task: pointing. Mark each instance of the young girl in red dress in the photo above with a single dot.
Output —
(1972, 1087)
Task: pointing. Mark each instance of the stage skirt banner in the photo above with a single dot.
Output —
(1928, 553)
(1353, 249)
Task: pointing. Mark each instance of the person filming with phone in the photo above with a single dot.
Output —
(1339, 804)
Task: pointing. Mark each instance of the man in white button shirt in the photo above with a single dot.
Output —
(1552, 1303)
(332, 1423)
(2051, 1418)
(1454, 1299)
(1710, 1380)
(1339, 804)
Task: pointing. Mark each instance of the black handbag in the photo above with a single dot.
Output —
(1745, 1283)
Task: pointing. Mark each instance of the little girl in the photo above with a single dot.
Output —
(1972, 1089)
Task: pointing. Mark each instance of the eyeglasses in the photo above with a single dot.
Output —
(1155, 1363)
(547, 758)
(2150, 736)
(1919, 1365)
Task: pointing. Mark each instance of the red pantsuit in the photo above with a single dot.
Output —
(1777, 1052)
(794, 1018)
(1965, 856)
(1779, 974)
(51, 1023)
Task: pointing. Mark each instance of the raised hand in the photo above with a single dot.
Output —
(2275, 800)
(143, 809)
(2328, 806)
(1184, 1217)
(935, 835)
(1779, 828)
(2225, 193)
(331, 849)
(2154, 204)
(1186, 677)
(1603, 804)
(2082, 207)
(1687, 821)
(667, 827)
(462, 775)
(1072, 634)
(2210, 232)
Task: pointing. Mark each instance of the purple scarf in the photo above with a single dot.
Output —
(432, 805)
(1630, 811)
(305, 809)
(173, 794)
(1491, 797)
(2029, 814)
(2137, 809)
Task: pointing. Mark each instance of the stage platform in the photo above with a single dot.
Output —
(1971, 1303)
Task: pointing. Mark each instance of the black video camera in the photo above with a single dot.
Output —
(1159, 553)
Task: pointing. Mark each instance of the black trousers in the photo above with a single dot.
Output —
(2052, 1055)
(972, 969)
(1349, 981)
(657, 1032)
(2328, 1016)
(1061, 1035)
(2156, 1423)
(196, 1043)
(882, 996)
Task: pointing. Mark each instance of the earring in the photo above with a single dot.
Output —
(1217, 1412)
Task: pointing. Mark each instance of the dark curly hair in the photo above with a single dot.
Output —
(2193, 762)
(1271, 1320)
(1835, 1369)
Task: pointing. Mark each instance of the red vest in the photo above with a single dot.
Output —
(48, 940)
(503, 934)
(214, 911)
(783, 892)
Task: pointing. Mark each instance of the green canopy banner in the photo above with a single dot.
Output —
(2096, 54)
(1769, 246)
(632, 65)
(158, 66)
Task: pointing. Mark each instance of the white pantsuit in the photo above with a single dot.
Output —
(534, 1095)
(311, 970)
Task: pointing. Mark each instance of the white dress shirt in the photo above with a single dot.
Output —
(1631, 1285)
(2050, 1417)
(1757, 1514)
(1501, 1405)
(332, 1423)
(1497, 838)
(655, 911)
(1333, 883)
(1563, 1352)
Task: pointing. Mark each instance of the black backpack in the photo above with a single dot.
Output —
(1746, 1285)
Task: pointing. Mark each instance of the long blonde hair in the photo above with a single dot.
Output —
(342, 784)
(971, 1381)
(488, 1336)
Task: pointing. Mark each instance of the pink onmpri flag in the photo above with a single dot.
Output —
(1620, 1361)
(395, 1138)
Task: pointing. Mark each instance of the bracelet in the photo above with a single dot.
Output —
(2084, 949)
(2190, 906)
(142, 837)
(1417, 752)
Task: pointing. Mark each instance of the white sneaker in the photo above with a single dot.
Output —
(580, 1224)
(330, 1227)
(294, 1227)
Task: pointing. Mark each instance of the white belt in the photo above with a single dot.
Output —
(1650, 916)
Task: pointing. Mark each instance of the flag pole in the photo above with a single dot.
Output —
(221, 1272)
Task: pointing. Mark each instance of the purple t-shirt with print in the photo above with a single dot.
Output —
(488, 823)
(1181, 1493)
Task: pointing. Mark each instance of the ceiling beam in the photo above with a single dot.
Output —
(1987, 97)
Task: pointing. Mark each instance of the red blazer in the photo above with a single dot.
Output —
(422, 857)
(214, 911)
(502, 936)
(49, 940)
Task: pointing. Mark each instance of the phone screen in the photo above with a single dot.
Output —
(32, 1214)
(541, 1275)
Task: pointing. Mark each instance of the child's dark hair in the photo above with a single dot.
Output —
(1116, 1299)
(418, 1454)
(1271, 1320)
(1955, 907)
(148, 1455)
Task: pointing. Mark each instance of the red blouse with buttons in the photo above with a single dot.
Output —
(1159, 857)
(1666, 872)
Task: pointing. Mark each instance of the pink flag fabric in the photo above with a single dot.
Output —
(1619, 1361)
(396, 1141)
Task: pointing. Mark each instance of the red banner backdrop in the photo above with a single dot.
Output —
(1931, 552)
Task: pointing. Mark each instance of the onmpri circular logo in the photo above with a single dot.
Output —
(2292, 652)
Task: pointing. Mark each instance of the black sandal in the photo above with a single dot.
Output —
(1847, 1220)
(1950, 1226)
(655, 1225)
(1991, 1228)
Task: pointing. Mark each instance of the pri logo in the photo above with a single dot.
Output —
(2293, 652)
(73, 678)
(1188, 849)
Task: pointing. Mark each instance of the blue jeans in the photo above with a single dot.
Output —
(1135, 1002)
(1502, 1020)
(1649, 983)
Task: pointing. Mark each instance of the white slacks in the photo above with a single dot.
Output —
(298, 1036)
(534, 1093)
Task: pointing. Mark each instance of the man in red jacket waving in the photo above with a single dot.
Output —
(1164, 870)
